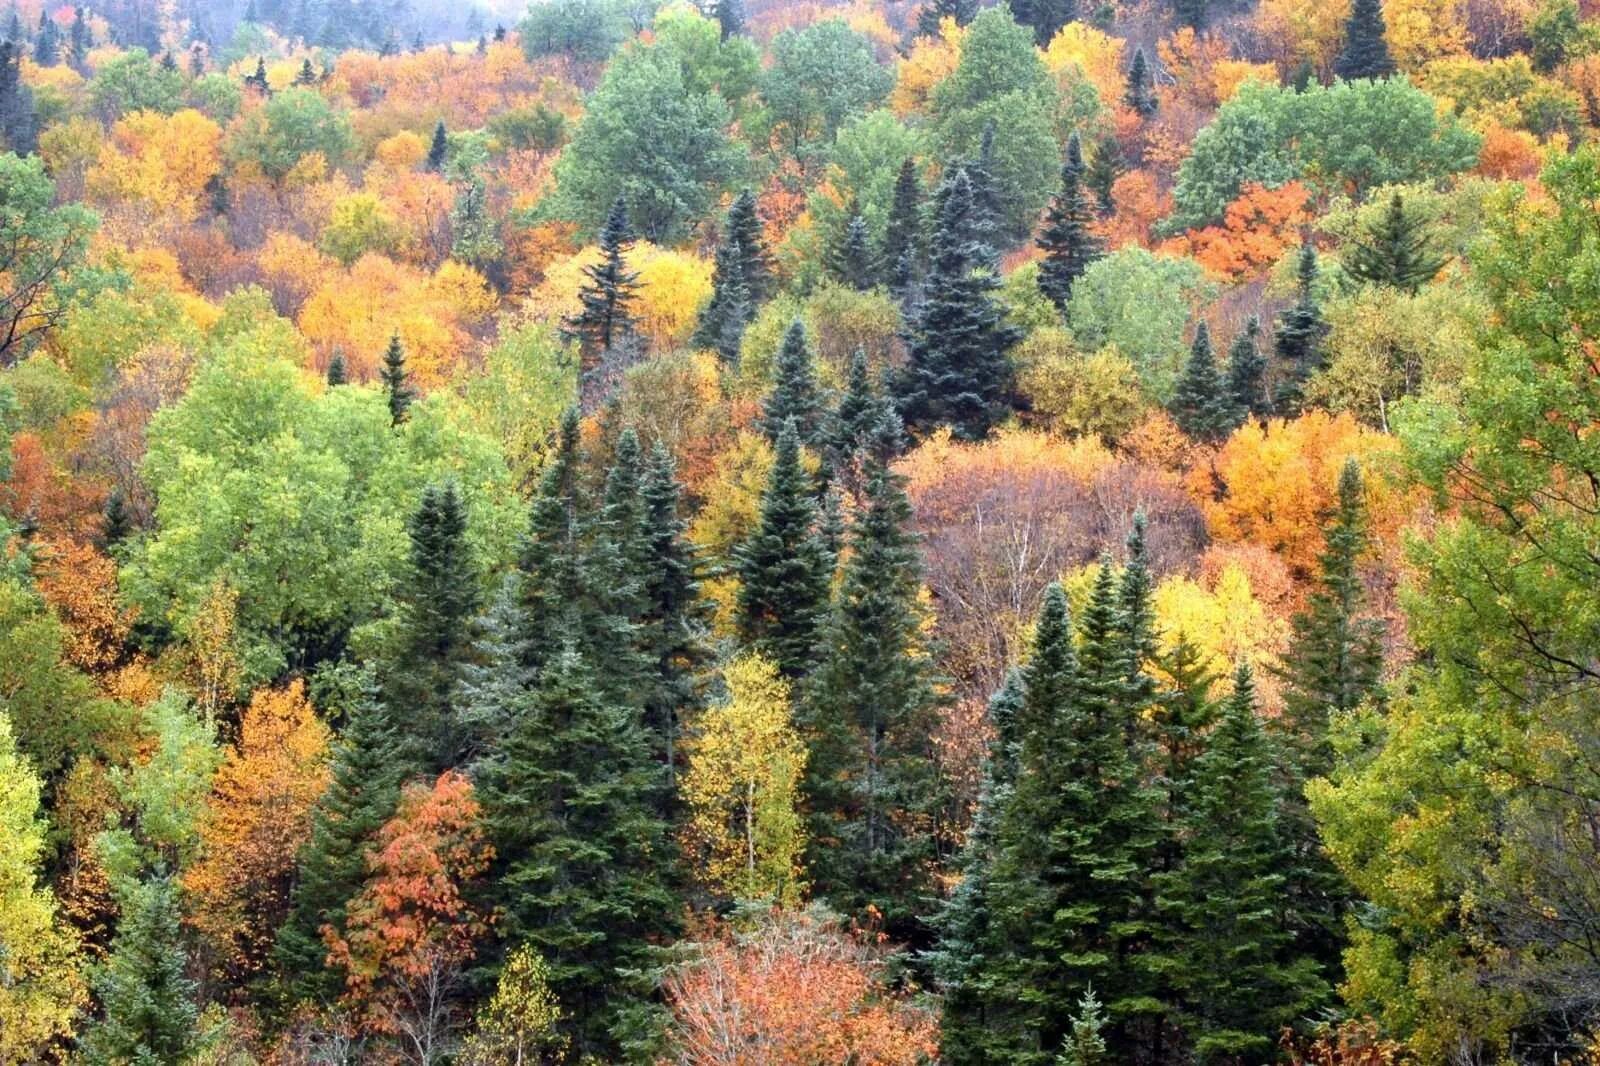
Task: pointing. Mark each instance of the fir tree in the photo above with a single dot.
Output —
(794, 389)
(396, 380)
(852, 260)
(869, 714)
(1140, 94)
(1299, 335)
(1200, 404)
(439, 148)
(197, 60)
(1047, 17)
(744, 227)
(47, 45)
(495, 685)
(1366, 53)
(983, 220)
(783, 570)
(169, 63)
(1193, 13)
(258, 80)
(550, 564)
(148, 1002)
(1106, 165)
(959, 372)
(1068, 240)
(338, 374)
(608, 293)
(1247, 372)
(581, 853)
(724, 318)
(116, 523)
(307, 76)
(730, 18)
(1084, 1044)
(79, 37)
(1397, 251)
(863, 429)
(902, 235)
(19, 128)
(936, 11)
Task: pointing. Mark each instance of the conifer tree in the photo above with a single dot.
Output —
(1047, 17)
(783, 569)
(396, 380)
(495, 686)
(724, 318)
(869, 715)
(19, 128)
(438, 149)
(116, 523)
(1106, 165)
(307, 75)
(607, 294)
(1193, 13)
(1233, 961)
(1140, 94)
(1397, 251)
(549, 564)
(47, 44)
(959, 371)
(1366, 52)
(1200, 404)
(983, 220)
(1084, 1045)
(150, 1013)
(169, 62)
(1247, 372)
(936, 11)
(197, 60)
(337, 372)
(1299, 335)
(794, 389)
(861, 430)
(730, 18)
(852, 260)
(581, 854)
(79, 37)
(258, 79)
(902, 235)
(744, 226)
(1068, 240)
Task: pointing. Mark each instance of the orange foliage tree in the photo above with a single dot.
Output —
(1257, 228)
(256, 820)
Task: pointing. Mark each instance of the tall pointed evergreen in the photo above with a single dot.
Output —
(1140, 93)
(870, 714)
(730, 18)
(783, 570)
(983, 221)
(935, 11)
(1397, 251)
(1047, 17)
(47, 43)
(726, 315)
(1299, 336)
(19, 127)
(959, 370)
(1106, 164)
(853, 260)
(1247, 373)
(1200, 404)
(902, 235)
(608, 293)
(495, 687)
(863, 429)
(396, 380)
(550, 568)
(148, 1003)
(794, 389)
(1068, 240)
(1193, 13)
(438, 149)
(338, 374)
(744, 225)
(1366, 52)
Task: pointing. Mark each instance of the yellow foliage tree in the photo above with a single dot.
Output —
(1224, 620)
(742, 787)
(1297, 30)
(932, 60)
(1420, 31)
(1095, 56)
(162, 162)
(671, 289)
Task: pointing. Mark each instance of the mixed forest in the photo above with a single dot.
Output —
(816, 533)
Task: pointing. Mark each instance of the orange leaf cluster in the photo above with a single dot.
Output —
(1257, 228)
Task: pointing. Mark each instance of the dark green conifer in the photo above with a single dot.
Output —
(794, 389)
(935, 11)
(852, 260)
(19, 126)
(396, 381)
(730, 18)
(258, 80)
(862, 430)
(1247, 372)
(783, 569)
(495, 687)
(169, 63)
(79, 37)
(1068, 240)
(116, 523)
(438, 149)
(1047, 17)
(607, 294)
(1193, 13)
(338, 374)
(47, 44)
(724, 318)
(1366, 52)
(550, 563)
(902, 235)
(1200, 404)
(148, 1003)
(1140, 94)
(1300, 332)
(1106, 165)
(744, 226)
(984, 219)
(307, 75)
(1397, 251)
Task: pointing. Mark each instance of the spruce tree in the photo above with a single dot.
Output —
(1200, 404)
(438, 149)
(1366, 52)
(148, 1003)
(984, 219)
(1047, 17)
(581, 853)
(1068, 239)
(794, 389)
(1397, 251)
(607, 294)
(730, 18)
(1193, 13)
(551, 581)
(307, 75)
(169, 63)
(862, 429)
(852, 260)
(495, 685)
(1140, 94)
(783, 569)
(869, 714)
(959, 370)
(1299, 336)
(47, 45)
(258, 79)
(396, 381)
(724, 318)
(1247, 372)
(936, 11)
(116, 523)
(79, 37)
(338, 374)
(744, 226)
(902, 235)
(1106, 165)
(19, 127)
(1232, 958)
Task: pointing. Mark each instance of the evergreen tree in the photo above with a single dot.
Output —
(197, 60)
(1193, 13)
(396, 380)
(1233, 959)
(1068, 239)
(1397, 251)
(19, 127)
(116, 523)
(1299, 335)
(1084, 1045)
(438, 149)
(730, 18)
(794, 389)
(148, 1003)
(608, 293)
(1047, 17)
(307, 76)
(494, 691)
(783, 569)
(258, 80)
(1247, 372)
(1106, 165)
(852, 260)
(1140, 94)
(169, 62)
(337, 372)
(936, 11)
(869, 715)
(725, 317)
(369, 763)
(863, 429)
(902, 235)
(744, 227)
(1200, 404)
(549, 564)
(983, 220)
(79, 37)
(959, 371)
(581, 853)
(1366, 52)
(47, 45)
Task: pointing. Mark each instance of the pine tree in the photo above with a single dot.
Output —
(1397, 251)
(1047, 17)
(79, 38)
(581, 853)
(744, 226)
(549, 563)
(1366, 53)
(863, 429)
(783, 569)
(794, 389)
(369, 764)
(936, 11)
(1298, 341)
(1106, 165)
(730, 18)
(984, 218)
(1140, 94)
(116, 523)
(438, 149)
(724, 318)
(396, 381)
(307, 76)
(47, 45)
(852, 260)
(19, 127)
(258, 80)
(959, 371)
(1200, 404)
(608, 293)
(1068, 239)
(902, 235)
(149, 1010)
(337, 372)
(1247, 372)
(869, 715)
(1193, 13)
(1233, 960)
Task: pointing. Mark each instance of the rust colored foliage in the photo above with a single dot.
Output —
(80, 583)
(795, 991)
(49, 497)
(1257, 228)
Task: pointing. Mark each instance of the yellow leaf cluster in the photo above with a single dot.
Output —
(1225, 621)
(1080, 50)
(1420, 31)
(932, 60)
(672, 287)
(162, 162)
